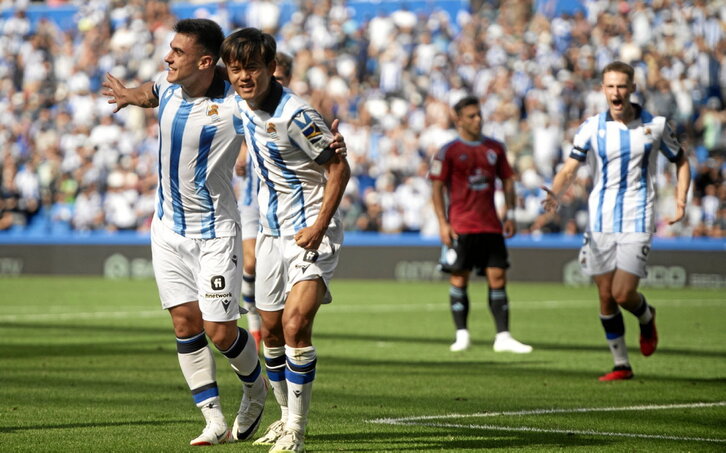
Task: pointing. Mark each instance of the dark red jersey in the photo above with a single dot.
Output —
(469, 171)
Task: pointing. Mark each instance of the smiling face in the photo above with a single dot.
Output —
(185, 59)
(617, 88)
(252, 80)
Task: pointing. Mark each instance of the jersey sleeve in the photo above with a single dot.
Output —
(669, 145)
(236, 112)
(439, 165)
(160, 84)
(308, 131)
(582, 143)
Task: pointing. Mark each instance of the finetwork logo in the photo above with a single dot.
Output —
(310, 256)
(218, 283)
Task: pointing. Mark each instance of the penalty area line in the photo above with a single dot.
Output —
(426, 421)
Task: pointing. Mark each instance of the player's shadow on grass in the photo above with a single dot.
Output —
(515, 370)
(105, 327)
(537, 345)
(454, 439)
(92, 424)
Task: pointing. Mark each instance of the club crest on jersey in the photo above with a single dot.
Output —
(647, 131)
(272, 130)
(307, 126)
(491, 157)
(213, 111)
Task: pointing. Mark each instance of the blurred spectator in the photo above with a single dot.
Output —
(390, 78)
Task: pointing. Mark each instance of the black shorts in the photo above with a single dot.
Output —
(470, 251)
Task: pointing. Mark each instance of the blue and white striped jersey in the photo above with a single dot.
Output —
(286, 138)
(249, 186)
(623, 159)
(199, 139)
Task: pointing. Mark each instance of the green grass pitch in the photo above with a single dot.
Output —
(88, 364)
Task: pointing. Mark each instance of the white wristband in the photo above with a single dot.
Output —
(509, 215)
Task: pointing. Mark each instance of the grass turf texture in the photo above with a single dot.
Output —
(89, 364)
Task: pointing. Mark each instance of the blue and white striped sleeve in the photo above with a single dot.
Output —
(583, 139)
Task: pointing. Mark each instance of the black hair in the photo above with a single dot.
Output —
(465, 102)
(284, 61)
(207, 33)
(247, 45)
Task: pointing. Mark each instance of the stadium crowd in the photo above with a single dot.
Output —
(69, 164)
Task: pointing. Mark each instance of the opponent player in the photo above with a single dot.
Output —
(621, 146)
(195, 233)
(465, 171)
(302, 182)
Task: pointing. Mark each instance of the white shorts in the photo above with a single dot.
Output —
(604, 252)
(281, 263)
(205, 270)
(250, 221)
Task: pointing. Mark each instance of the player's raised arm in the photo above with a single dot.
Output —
(141, 96)
(562, 181)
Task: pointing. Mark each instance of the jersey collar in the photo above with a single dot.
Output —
(216, 89)
(269, 104)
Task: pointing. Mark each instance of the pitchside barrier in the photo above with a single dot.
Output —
(673, 263)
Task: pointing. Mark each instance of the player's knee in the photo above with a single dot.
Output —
(186, 327)
(606, 297)
(297, 328)
(272, 337)
(623, 296)
(223, 336)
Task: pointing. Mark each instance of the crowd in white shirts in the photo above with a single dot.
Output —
(68, 164)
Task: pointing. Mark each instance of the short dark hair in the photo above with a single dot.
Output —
(207, 33)
(284, 61)
(248, 44)
(619, 66)
(465, 102)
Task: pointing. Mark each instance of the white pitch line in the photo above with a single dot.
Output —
(571, 431)
(417, 421)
